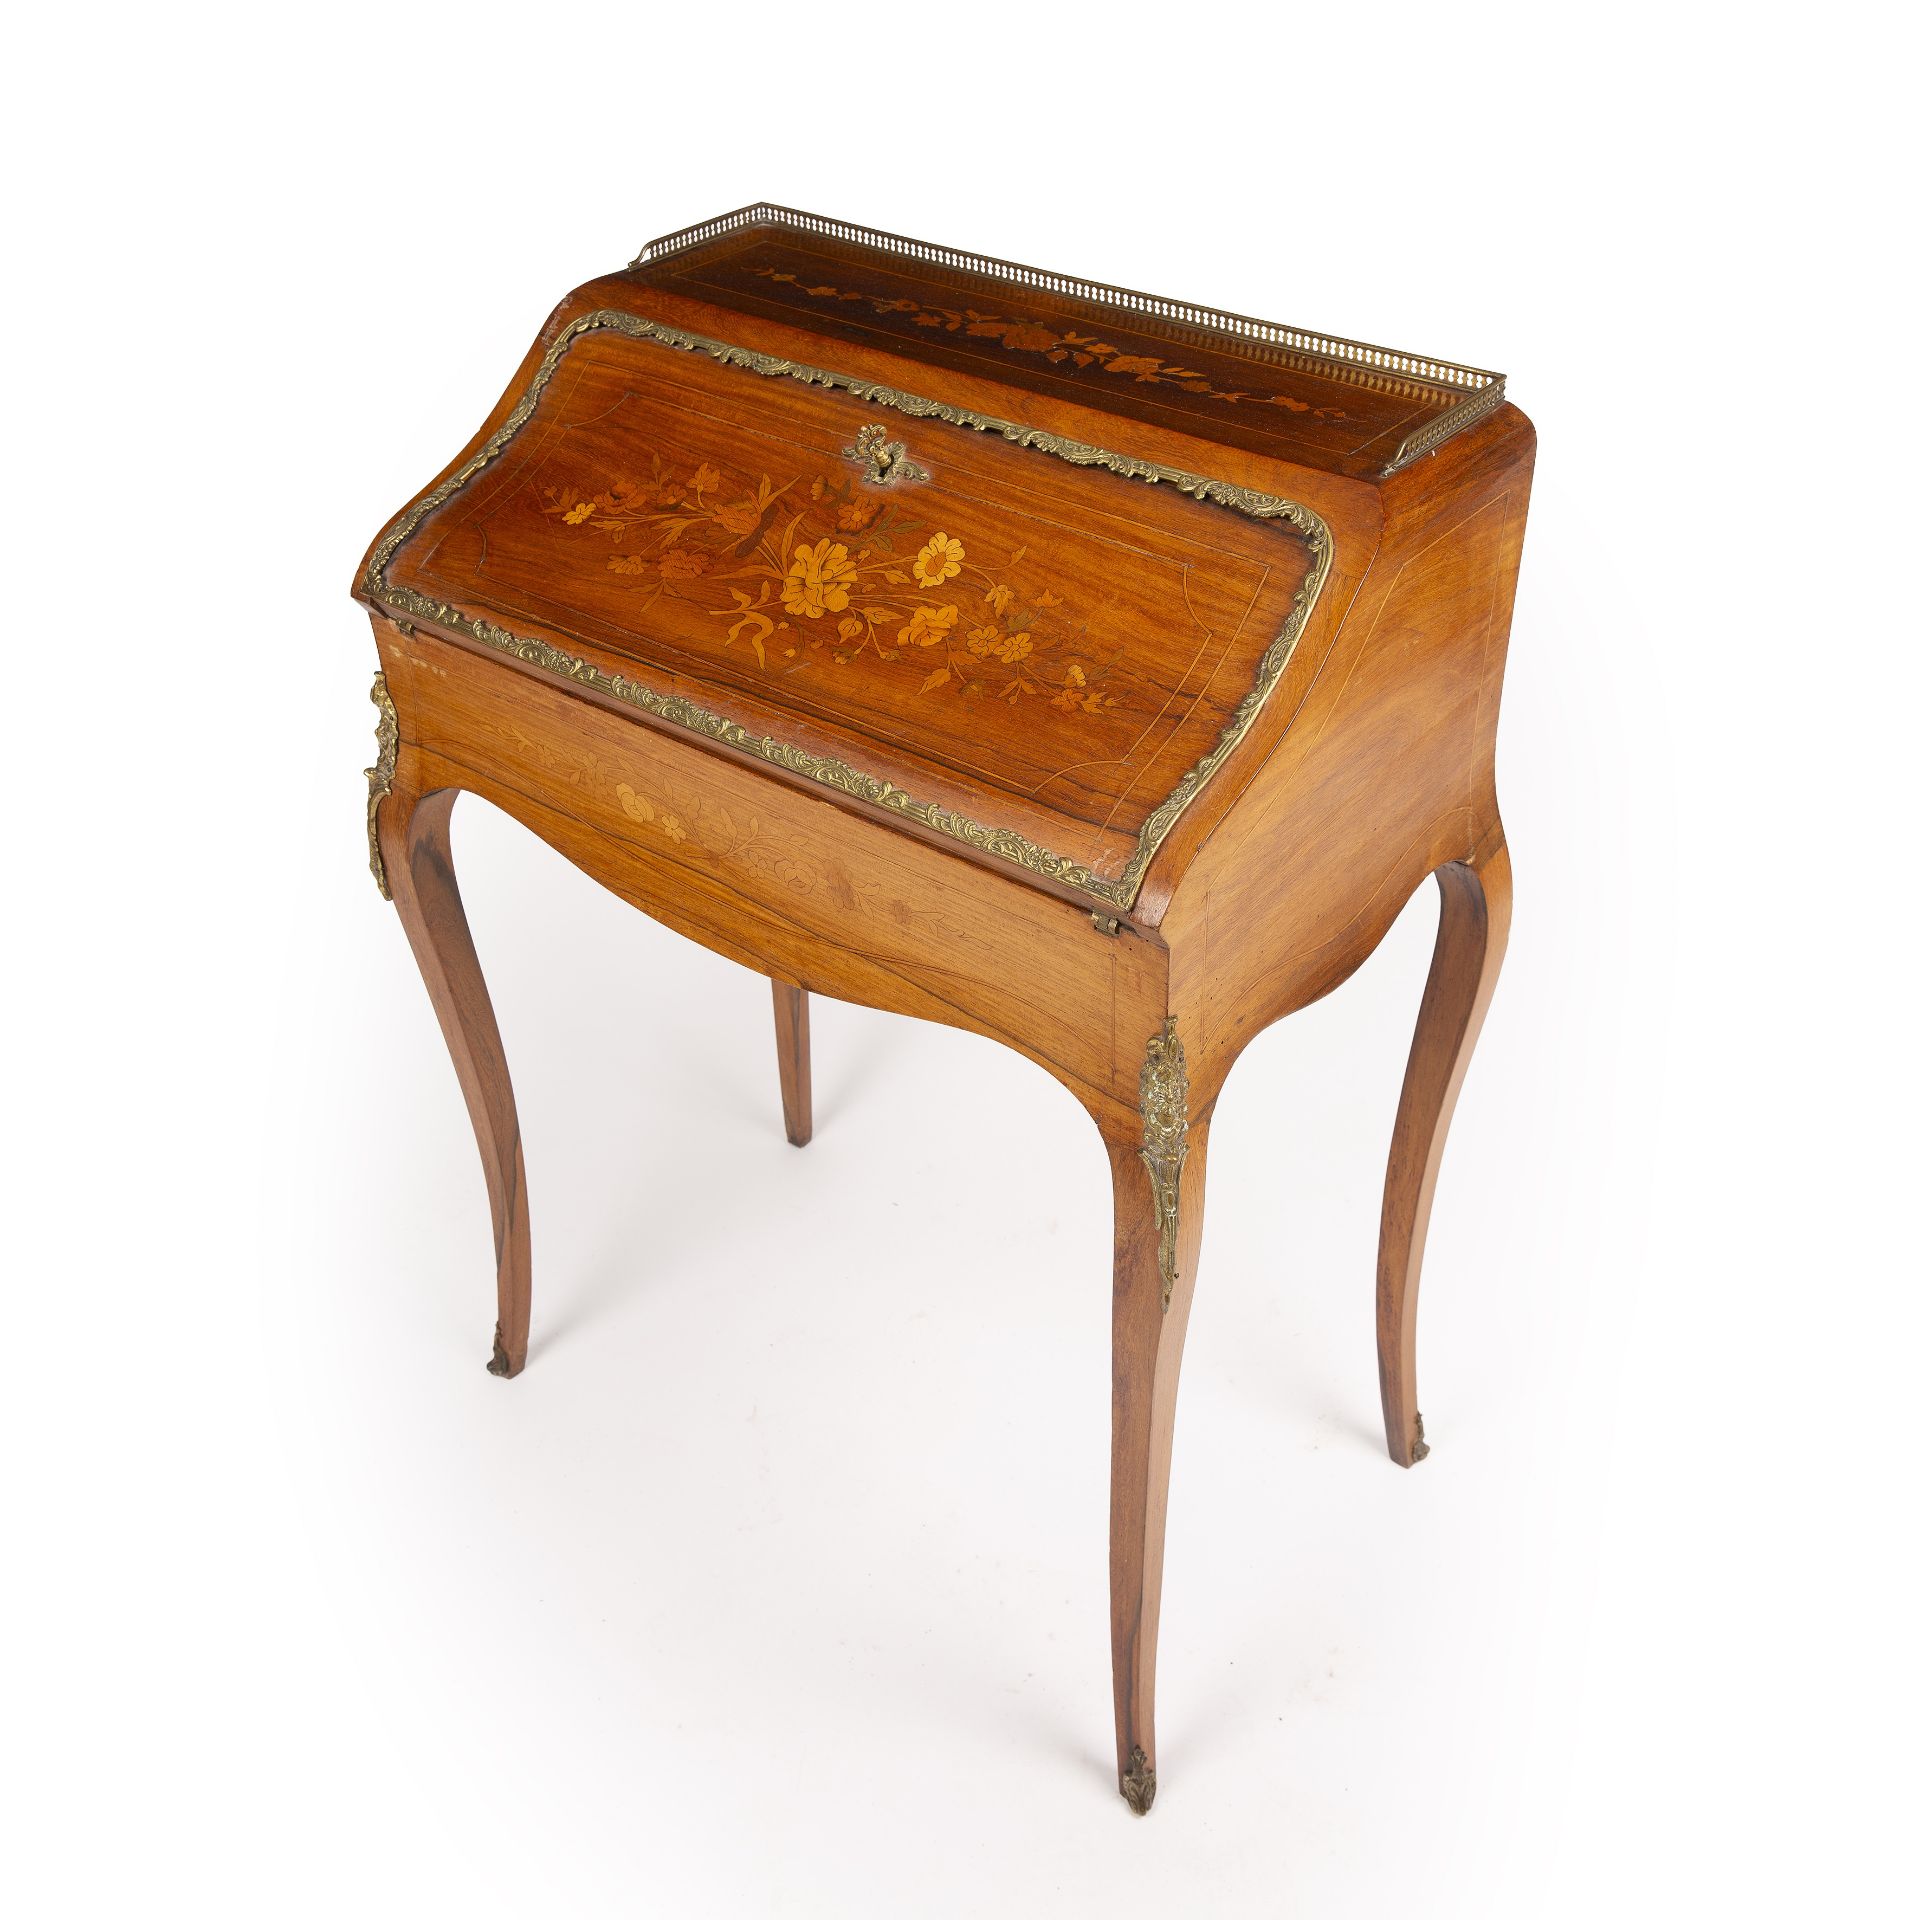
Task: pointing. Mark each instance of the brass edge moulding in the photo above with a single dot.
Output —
(1370, 365)
(1163, 1127)
(380, 777)
(676, 710)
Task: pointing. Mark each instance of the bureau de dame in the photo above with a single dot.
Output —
(1097, 672)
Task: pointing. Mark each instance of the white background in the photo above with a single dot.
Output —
(776, 1585)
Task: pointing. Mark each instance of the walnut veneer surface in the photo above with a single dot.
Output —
(898, 622)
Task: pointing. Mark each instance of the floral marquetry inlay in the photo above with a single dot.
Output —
(1062, 344)
(813, 570)
(1067, 639)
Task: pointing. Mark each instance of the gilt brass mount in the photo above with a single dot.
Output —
(1139, 1783)
(887, 462)
(380, 777)
(1163, 1115)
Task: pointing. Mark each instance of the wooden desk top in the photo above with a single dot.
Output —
(812, 493)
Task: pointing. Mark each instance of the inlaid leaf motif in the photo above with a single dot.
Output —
(1062, 348)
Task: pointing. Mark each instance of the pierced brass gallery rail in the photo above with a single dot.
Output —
(1002, 842)
(1367, 365)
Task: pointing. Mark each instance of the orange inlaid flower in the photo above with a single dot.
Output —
(681, 563)
(940, 559)
(704, 477)
(930, 625)
(579, 511)
(857, 514)
(1029, 338)
(1016, 646)
(818, 579)
(626, 563)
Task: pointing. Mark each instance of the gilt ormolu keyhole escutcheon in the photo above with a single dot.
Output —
(887, 462)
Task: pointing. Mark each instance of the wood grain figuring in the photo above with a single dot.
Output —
(719, 535)
(1376, 784)
(779, 879)
(1051, 645)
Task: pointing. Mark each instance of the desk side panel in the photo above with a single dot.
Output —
(1384, 775)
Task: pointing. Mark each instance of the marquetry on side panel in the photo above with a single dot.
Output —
(1385, 774)
(770, 876)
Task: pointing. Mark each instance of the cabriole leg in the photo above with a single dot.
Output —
(1476, 907)
(418, 858)
(1159, 1172)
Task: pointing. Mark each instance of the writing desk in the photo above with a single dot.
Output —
(1096, 672)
